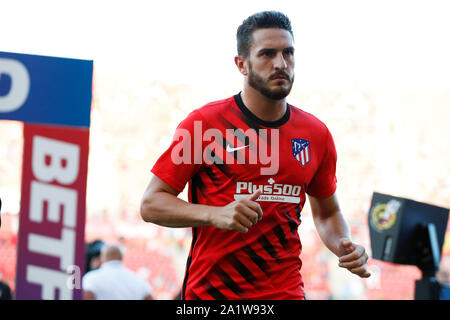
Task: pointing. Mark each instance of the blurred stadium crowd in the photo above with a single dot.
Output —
(385, 143)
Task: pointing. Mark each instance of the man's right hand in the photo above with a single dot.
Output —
(239, 215)
(160, 205)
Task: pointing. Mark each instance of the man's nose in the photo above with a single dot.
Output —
(280, 62)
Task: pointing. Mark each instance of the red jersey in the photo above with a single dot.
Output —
(225, 152)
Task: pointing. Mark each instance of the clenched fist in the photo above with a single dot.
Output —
(353, 257)
(239, 215)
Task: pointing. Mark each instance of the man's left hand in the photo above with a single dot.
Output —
(353, 257)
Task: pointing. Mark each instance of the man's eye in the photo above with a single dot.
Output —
(267, 53)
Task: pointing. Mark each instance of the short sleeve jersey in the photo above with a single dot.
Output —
(224, 152)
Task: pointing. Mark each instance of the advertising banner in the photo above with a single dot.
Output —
(45, 90)
(52, 96)
(51, 244)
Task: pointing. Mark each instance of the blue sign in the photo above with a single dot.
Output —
(45, 90)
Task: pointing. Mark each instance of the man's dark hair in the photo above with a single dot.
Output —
(260, 20)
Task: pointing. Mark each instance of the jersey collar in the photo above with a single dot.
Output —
(249, 114)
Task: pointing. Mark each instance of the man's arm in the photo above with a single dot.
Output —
(335, 234)
(160, 205)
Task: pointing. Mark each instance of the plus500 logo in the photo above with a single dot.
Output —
(272, 188)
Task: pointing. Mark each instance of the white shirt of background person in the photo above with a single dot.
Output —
(112, 281)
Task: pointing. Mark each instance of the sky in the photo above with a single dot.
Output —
(394, 43)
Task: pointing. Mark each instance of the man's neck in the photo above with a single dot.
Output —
(264, 108)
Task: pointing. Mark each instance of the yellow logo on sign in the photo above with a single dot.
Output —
(383, 218)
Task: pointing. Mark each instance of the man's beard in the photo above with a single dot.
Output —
(258, 83)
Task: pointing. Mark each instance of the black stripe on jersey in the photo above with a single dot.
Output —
(297, 211)
(225, 142)
(213, 291)
(279, 233)
(194, 296)
(227, 124)
(270, 249)
(221, 166)
(243, 138)
(242, 269)
(188, 264)
(251, 124)
(227, 280)
(292, 224)
(259, 261)
(197, 185)
(209, 171)
(239, 133)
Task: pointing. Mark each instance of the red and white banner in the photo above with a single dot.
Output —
(51, 245)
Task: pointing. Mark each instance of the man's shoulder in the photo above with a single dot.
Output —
(92, 274)
(217, 104)
(307, 119)
(92, 279)
(211, 109)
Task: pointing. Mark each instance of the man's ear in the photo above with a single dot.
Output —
(241, 64)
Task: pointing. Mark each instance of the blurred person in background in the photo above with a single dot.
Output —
(93, 250)
(245, 242)
(112, 281)
(5, 290)
(442, 276)
(443, 279)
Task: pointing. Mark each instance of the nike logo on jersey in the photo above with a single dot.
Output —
(230, 149)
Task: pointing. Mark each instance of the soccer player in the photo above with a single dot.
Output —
(250, 160)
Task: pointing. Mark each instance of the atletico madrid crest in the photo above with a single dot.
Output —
(301, 150)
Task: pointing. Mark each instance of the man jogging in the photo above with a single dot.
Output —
(250, 161)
